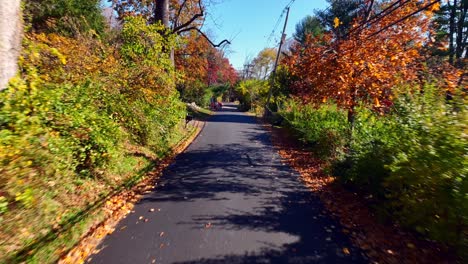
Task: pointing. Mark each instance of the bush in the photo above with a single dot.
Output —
(81, 119)
(414, 164)
(428, 186)
(252, 93)
(195, 92)
(325, 126)
(412, 161)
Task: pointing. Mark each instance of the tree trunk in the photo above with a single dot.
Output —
(161, 12)
(10, 39)
(453, 13)
(460, 45)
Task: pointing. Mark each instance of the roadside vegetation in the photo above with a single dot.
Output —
(379, 91)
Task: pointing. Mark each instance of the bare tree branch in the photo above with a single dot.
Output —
(205, 36)
(177, 29)
(179, 12)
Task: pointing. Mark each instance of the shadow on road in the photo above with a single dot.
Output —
(283, 204)
(256, 206)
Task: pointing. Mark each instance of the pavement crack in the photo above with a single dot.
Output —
(249, 160)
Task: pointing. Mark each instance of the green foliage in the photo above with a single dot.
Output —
(82, 119)
(195, 91)
(325, 126)
(308, 26)
(68, 17)
(345, 10)
(412, 161)
(146, 44)
(252, 93)
(428, 185)
(3, 206)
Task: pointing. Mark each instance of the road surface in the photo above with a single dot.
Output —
(228, 199)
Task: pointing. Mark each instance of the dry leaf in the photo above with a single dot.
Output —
(346, 251)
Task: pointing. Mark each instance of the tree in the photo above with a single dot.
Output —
(451, 26)
(180, 16)
(263, 64)
(308, 26)
(346, 11)
(65, 16)
(365, 66)
(220, 71)
(10, 39)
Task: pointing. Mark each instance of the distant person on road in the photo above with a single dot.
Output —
(212, 103)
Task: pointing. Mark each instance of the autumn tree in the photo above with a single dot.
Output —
(380, 54)
(262, 65)
(180, 16)
(220, 71)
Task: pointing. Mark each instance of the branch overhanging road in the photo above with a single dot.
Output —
(229, 199)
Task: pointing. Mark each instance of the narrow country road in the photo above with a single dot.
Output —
(229, 199)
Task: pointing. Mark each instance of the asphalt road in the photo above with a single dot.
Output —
(229, 199)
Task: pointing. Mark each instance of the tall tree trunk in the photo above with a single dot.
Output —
(10, 39)
(161, 13)
(460, 45)
(453, 13)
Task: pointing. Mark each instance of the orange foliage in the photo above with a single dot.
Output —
(364, 66)
(197, 60)
(191, 59)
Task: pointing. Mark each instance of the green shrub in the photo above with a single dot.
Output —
(325, 126)
(252, 93)
(373, 142)
(82, 118)
(428, 186)
(413, 162)
(195, 92)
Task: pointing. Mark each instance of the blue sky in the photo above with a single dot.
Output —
(250, 23)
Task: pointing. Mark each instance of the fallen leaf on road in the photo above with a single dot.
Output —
(140, 218)
(161, 234)
(208, 225)
(346, 251)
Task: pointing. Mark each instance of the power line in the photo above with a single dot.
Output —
(273, 32)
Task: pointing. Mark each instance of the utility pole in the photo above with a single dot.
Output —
(273, 73)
